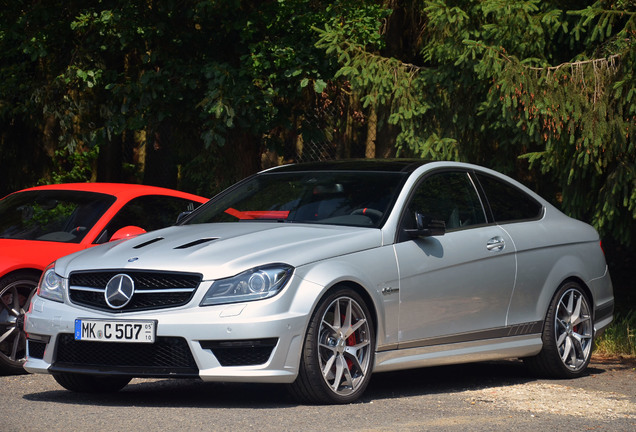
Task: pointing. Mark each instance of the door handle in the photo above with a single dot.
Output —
(495, 244)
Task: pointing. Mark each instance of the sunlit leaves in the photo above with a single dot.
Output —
(499, 79)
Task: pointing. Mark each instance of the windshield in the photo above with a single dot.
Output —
(334, 197)
(51, 215)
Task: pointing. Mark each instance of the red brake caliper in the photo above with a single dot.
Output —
(351, 341)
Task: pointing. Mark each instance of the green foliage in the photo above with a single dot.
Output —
(74, 166)
(381, 80)
(213, 85)
(100, 73)
(620, 337)
(584, 116)
(44, 216)
(485, 90)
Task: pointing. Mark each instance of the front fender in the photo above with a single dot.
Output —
(372, 271)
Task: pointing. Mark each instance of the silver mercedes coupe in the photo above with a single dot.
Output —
(317, 275)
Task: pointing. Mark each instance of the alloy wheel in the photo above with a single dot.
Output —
(15, 297)
(573, 329)
(344, 346)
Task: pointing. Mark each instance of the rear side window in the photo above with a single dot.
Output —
(507, 202)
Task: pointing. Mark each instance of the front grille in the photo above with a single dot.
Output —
(168, 356)
(36, 349)
(153, 290)
(241, 352)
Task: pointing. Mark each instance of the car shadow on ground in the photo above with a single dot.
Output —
(388, 385)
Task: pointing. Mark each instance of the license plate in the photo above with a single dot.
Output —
(115, 330)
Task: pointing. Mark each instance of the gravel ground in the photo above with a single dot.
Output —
(543, 398)
(539, 398)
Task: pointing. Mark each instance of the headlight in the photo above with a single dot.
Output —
(254, 284)
(51, 285)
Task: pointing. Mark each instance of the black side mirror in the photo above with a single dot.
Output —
(426, 227)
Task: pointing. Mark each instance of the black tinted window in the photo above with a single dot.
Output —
(149, 212)
(507, 202)
(449, 197)
(51, 215)
(323, 197)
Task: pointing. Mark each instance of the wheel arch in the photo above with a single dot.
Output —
(37, 273)
(534, 293)
(557, 278)
(575, 279)
(367, 281)
(362, 292)
(582, 284)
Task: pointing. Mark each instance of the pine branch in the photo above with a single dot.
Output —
(595, 62)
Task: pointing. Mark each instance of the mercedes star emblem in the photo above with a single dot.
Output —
(119, 291)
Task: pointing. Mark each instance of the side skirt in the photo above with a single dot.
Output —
(459, 352)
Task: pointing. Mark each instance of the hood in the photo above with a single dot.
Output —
(223, 249)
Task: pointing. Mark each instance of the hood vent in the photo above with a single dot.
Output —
(197, 242)
(149, 242)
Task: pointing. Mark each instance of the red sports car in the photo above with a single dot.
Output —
(40, 224)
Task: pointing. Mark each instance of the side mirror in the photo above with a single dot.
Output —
(426, 227)
(127, 232)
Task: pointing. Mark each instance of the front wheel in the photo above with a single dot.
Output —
(91, 383)
(568, 335)
(337, 357)
(16, 291)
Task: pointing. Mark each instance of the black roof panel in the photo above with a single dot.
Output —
(381, 165)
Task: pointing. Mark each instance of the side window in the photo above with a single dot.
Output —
(149, 212)
(507, 202)
(447, 196)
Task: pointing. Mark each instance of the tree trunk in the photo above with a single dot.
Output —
(109, 161)
(372, 131)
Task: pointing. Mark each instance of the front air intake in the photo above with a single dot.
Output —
(241, 352)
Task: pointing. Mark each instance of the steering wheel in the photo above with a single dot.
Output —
(373, 214)
(77, 230)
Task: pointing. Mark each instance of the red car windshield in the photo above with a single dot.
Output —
(51, 215)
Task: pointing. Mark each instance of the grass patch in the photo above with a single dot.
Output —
(619, 338)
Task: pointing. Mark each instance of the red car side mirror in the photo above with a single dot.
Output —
(127, 232)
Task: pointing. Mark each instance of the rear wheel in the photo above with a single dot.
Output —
(16, 291)
(337, 357)
(568, 335)
(91, 383)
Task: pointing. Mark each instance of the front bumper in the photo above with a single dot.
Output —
(258, 341)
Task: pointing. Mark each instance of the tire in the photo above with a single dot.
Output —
(16, 291)
(91, 383)
(340, 341)
(568, 335)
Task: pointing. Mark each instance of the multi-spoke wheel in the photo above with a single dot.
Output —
(337, 358)
(15, 294)
(567, 335)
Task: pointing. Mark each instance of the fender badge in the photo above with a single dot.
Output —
(133, 259)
